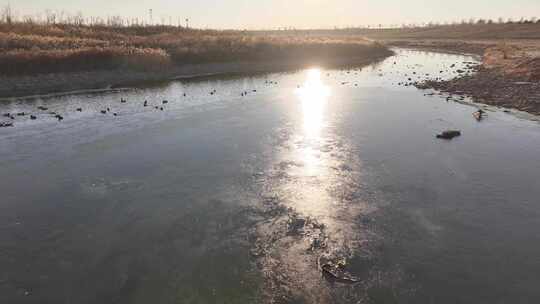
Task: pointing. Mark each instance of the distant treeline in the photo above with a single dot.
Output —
(51, 17)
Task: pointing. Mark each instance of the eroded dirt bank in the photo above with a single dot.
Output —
(509, 75)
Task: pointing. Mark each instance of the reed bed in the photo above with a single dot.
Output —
(40, 48)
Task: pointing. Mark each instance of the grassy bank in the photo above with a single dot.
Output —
(29, 49)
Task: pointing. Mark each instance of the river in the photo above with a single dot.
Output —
(261, 188)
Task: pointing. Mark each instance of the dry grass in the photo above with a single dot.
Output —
(36, 48)
(461, 31)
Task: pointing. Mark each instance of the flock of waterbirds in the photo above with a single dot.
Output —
(44, 111)
(412, 78)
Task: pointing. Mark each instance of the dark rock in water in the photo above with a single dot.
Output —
(59, 117)
(42, 108)
(33, 117)
(21, 114)
(6, 124)
(450, 134)
(79, 109)
(103, 112)
(7, 115)
(165, 102)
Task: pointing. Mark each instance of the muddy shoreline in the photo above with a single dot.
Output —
(508, 76)
(92, 81)
(493, 87)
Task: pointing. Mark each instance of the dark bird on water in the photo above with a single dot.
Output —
(79, 109)
(33, 117)
(103, 112)
(165, 102)
(145, 103)
(59, 117)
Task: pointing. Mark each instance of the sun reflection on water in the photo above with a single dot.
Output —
(314, 97)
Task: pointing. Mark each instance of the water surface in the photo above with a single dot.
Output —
(227, 197)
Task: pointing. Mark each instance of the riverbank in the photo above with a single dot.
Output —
(58, 83)
(508, 77)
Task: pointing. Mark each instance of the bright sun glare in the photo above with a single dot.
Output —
(314, 97)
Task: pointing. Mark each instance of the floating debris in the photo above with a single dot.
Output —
(334, 270)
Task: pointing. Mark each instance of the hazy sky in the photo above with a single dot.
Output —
(291, 13)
